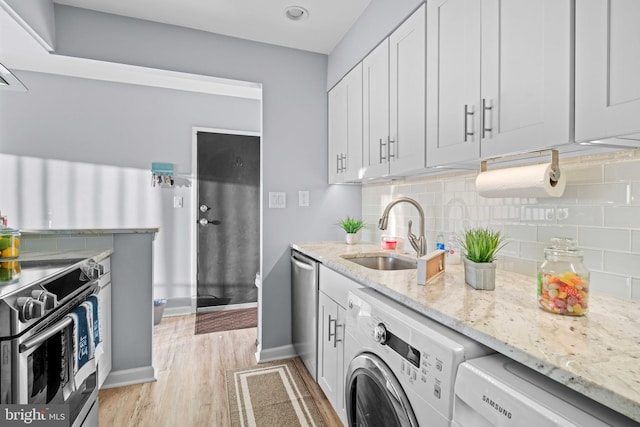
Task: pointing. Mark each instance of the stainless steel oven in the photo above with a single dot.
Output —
(36, 351)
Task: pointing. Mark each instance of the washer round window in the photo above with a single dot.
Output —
(374, 396)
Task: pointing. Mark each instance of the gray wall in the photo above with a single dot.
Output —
(378, 20)
(294, 128)
(78, 153)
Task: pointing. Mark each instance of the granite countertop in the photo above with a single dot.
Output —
(597, 355)
(90, 230)
(95, 254)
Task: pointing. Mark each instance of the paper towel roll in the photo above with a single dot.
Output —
(522, 181)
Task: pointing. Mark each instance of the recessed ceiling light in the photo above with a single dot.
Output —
(296, 13)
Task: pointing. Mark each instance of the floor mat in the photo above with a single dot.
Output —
(226, 320)
(271, 394)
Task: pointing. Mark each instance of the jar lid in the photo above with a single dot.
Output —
(563, 246)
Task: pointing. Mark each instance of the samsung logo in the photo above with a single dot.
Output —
(496, 406)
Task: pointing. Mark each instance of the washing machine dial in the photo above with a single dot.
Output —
(380, 333)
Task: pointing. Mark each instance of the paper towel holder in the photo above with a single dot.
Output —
(555, 168)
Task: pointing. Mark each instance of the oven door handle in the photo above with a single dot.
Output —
(40, 338)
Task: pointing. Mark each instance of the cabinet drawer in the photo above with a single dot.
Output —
(336, 286)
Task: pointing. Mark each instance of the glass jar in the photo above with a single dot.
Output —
(9, 243)
(563, 281)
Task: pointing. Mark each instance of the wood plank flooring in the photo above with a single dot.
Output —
(191, 389)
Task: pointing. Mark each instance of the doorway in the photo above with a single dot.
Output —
(228, 220)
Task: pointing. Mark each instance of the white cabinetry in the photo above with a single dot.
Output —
(332, 303)
(345, 128)
(104, 306)
(394, 101)
(499, 78)
(607, 69)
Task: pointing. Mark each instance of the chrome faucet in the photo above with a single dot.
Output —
(418, 243)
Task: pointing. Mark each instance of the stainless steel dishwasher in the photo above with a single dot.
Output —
(304, 309)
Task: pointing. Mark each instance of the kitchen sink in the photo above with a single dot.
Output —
(383, 262)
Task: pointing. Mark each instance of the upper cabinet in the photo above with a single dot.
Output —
(345, 128)
(499, 78)
(394, 101)
(607, 69)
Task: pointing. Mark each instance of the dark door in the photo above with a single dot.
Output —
(229, 213)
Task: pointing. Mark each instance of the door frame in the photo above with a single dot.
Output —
(194, 212)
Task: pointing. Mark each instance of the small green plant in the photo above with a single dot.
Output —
(351, 225)
(482, 244)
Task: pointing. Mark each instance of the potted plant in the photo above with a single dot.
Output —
(480, 246)
(351, 226)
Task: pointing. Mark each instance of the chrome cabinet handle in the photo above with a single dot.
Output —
(382, 144)
(340, 163)
(335, 335)
(334, 328)
(467, 113)
(485, 108)
(391, 153)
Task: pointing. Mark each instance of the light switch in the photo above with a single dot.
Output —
(277, 200)
(177, 201)
(303, 198)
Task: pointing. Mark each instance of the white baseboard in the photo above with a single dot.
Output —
(177, 311)
(125, 377)
(277, 353)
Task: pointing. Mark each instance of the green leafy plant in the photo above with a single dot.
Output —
(481, 244)
(351, 225)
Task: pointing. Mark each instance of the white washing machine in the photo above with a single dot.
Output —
(497, 391)
(400, 366)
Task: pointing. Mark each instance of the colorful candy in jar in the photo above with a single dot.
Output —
(566, 293)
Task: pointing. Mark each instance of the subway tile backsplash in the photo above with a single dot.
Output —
(600, 208)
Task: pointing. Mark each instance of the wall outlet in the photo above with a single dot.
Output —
(178, 202)
(277, 200)
(303, 198)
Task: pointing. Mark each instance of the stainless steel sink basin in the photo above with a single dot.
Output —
(383, 262)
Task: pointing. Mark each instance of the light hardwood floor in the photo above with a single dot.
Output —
(191, 389)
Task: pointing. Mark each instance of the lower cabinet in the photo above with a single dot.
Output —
(104, 303)
(332, 303)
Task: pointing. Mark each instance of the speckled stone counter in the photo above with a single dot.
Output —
(597, 355)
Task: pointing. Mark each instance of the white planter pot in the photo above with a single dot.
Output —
(352, 238)
(480, 275)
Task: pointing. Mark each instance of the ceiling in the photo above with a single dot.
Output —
(260, 20)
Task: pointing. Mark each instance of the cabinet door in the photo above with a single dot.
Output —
(327, 348)
(407, 82)
(526, 75)
(607, 69)
(338, 131)
(341, 404)
(375, 99)
(453, 81)
(104, 363)
(353, 161)
(345, 128)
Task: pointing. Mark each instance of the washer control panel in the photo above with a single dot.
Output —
(422, 353)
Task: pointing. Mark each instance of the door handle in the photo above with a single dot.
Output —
(205, 221)
(390, 152)
(204, 208)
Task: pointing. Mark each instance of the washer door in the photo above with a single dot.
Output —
(374, 396)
